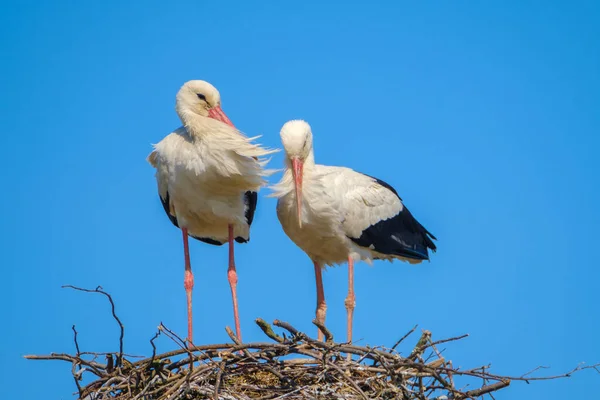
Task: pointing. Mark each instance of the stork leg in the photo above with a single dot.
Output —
(188, 283)
(232, 278)
(321, 305)
(350, 299)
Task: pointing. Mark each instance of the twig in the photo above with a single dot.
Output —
(109, 363)
(76, 377)
(235, 339)
(174, 337)
(75, 340)
(105, 353)
(326, 332)
(282, 324)
(76, 374)
(112, 305)
(403, 337)
(446, 340)
(156, 335)
(533, 370)
(420, 346)
(484, 390)
(266, 328)
(218, 380)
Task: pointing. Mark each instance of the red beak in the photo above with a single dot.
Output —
(219, 115)
(297, 167)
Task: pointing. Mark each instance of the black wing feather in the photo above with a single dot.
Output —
(401, 235)
(166, 205)
(250, 202)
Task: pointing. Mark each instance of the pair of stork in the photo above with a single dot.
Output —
(208, 176)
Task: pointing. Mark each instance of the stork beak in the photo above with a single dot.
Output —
(297, 167)
(219, 115)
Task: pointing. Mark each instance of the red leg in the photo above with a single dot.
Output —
(351, 299)
(188, 283)
(321, 305)
(232, 277)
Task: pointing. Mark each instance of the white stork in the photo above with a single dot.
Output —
(336, 215)
(208, 175)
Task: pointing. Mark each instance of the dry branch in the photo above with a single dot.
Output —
(112, 305)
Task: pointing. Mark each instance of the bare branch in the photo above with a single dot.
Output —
(173, 336)
(484, 390)
(156, 335)
(112, 305)
(288, 328)
(218, 380)
(75, 340)
(266, 328)
(447, 340)
(421, 345)
(403, 337)
(326, 333)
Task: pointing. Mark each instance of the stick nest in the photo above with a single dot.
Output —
(290, 366)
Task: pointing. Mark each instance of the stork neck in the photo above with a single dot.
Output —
(195, 124)
(310, 160)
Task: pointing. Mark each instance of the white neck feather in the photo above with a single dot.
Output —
(286, 184)
(197, 125)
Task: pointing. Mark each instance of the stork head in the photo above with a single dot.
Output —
(296, 137)
(201, 98)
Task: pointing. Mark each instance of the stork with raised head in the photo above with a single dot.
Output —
(337, 215)
(208, 175)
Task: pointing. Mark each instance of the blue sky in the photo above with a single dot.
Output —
(483, 116)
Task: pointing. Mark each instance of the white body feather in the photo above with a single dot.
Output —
(206, 174)
(344, 214)
(338, 203)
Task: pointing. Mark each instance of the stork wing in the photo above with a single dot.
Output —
(374, 217)
(363, 201)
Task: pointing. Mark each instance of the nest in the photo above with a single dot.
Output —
(290, 366)
(293, 366)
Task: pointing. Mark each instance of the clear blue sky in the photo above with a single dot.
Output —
(483, 116)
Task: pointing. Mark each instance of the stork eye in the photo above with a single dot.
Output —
(201, 96)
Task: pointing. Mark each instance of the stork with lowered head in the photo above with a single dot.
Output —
(337, 215)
